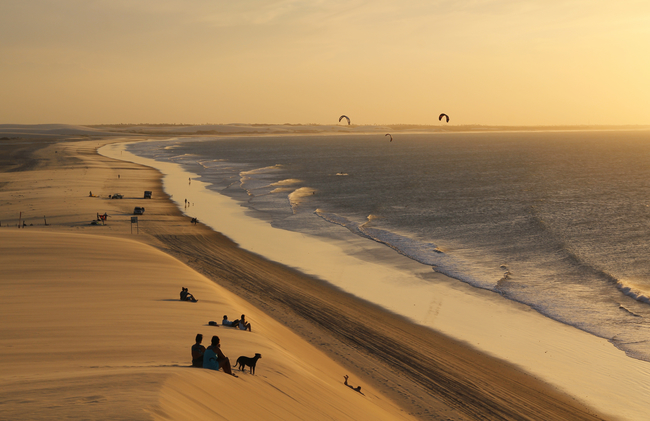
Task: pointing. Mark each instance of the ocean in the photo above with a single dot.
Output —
(558, 221)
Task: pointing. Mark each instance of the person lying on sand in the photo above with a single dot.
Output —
(197, 351)
(358, 388)
(227, 322)
(214, 359)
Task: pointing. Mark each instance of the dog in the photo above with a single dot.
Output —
(243, 361)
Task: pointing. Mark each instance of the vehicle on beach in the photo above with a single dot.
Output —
(117, 196)
(147, 194)
(139, 210)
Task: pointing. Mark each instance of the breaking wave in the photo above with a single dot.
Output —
(296, 197)
(423, 252)
(287, 182)
(633, 290)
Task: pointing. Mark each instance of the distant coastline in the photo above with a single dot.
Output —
(287, 128)
(20, 131)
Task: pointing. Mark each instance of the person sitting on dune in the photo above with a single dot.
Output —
(214, 359)
(243, 324)
(197, 351)
(186, 296)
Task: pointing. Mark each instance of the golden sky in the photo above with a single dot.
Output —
(491, 62)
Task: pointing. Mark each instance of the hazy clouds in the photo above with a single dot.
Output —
(484, 62)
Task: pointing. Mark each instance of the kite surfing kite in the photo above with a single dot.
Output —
(391, 137)
(443, 115)
(344, 117)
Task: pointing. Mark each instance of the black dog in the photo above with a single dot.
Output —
(248, 361)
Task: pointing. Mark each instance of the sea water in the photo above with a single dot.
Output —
(539, 233)
(559, 221)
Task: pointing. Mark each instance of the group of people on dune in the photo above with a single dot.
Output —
(186, 296)
(211, 357)
(241, 323)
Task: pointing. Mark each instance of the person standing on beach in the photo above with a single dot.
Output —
(197, 351)
(213, 358)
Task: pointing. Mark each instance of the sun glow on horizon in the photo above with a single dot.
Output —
(490, 62)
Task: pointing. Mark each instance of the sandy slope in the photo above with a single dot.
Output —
(93, 326)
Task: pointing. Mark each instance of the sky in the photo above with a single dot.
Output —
(488, 62)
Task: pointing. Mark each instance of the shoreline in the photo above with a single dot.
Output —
(162, 131)
(583, 383)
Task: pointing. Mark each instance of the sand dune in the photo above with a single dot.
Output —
(94, 327)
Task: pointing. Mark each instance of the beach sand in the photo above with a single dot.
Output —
(92, 327)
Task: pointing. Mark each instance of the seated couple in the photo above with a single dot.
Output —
(186, 296)
(212, 357)
(241, 323)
